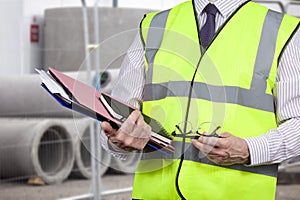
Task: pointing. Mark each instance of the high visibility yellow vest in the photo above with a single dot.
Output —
(233, 88)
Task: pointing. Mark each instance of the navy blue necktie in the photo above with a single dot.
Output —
(208, 30)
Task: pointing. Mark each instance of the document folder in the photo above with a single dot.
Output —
(85, 99)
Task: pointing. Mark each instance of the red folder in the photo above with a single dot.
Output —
(103, 107)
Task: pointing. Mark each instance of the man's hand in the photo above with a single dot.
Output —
(134, 133)
(227, 150)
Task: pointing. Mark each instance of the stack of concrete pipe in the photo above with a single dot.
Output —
(35, 148)
(39, 137)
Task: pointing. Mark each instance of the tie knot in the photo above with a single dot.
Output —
(211, 9)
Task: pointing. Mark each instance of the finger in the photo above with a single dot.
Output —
(130, 122)
(126, 140)
(139, 137)
(212, 141)
(225, 135)
(108, 129)
(224, 143)
(140, 120)
(204, 148)
(129, 140)
(143, 129)
(209, 150)
(135, 115)
(105, 126)
(120, 143)
(211, 153)
(140, 132)
(118, 146)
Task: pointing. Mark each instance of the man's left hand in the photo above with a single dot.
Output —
(226, 150)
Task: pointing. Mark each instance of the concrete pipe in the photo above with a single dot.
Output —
(35, 148)
(22, 96)
(80, 130)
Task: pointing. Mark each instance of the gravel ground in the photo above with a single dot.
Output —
(69, 188)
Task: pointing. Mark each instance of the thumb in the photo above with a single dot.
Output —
(107, 128)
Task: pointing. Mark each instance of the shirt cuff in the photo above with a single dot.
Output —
(258, 149)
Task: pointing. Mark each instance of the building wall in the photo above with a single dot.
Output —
(64, 47)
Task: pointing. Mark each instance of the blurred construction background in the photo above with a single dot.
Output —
(45, 150)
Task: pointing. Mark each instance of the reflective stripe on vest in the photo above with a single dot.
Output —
(229, 94)
(156, 33)
(224, 94)
(193, 154)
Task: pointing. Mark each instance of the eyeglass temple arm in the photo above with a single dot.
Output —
(214, 133)
(179, 129)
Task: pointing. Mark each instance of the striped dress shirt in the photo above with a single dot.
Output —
(274, 146)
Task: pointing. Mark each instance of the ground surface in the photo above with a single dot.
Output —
(23, 191)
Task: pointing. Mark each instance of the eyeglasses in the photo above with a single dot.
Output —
(195, 134)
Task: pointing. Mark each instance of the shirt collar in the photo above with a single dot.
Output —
(225, 7)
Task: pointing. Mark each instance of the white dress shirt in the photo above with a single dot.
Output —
(272, 147)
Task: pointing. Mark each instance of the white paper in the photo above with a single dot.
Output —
(51, 84)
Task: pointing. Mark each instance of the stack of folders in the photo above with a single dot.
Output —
(85, 99)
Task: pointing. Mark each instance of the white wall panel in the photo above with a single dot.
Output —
(10, 40)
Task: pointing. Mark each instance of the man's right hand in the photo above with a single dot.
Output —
(134, 133)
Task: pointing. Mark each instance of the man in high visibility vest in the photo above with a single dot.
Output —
(232, 65)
